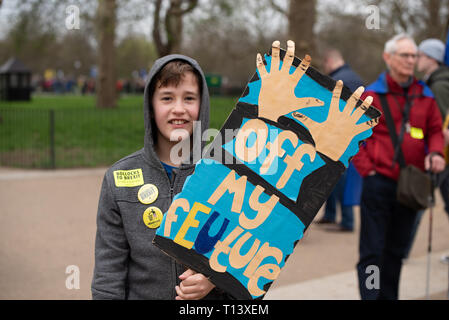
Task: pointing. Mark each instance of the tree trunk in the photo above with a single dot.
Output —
(301, 20)
(435, 27)
(172, 26)
(106, 78)
(161, 47)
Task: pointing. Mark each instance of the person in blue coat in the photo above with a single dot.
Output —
(350, 183)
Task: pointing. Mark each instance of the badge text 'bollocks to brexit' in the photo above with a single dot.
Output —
(255, 191)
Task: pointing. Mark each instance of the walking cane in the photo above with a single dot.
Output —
(429, 243)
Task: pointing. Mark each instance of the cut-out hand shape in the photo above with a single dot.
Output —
(333, 136)
(277, 92)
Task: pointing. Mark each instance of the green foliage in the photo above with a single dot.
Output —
(134, 53)
(84, 136)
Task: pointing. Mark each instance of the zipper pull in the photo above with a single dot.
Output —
(172, 183)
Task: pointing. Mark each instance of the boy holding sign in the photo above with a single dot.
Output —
(137, 189)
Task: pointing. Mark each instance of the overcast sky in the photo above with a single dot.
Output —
(9, 12)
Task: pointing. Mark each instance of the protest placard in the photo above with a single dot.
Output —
(266, 174)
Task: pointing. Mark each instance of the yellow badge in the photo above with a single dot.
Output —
(416, 133)
(152, 217)
(128, 178)
(147, 193)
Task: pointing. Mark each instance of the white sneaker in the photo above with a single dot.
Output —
(445, 259)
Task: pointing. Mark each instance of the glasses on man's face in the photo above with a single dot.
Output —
(404, 55)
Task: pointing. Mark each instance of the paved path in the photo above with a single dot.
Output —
(344, 285)
(47, 223)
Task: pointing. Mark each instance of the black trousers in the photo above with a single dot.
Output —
(385, 232)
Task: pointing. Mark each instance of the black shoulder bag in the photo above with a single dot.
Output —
(414, 186)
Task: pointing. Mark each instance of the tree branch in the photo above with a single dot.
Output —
(398, 9)
(160, 46)
(190, 7)
(278, 8)
(172, 12)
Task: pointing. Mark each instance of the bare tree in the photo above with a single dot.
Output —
(301, 20)
(420, 18)
(436, 24)
(173, 25)
(106, 19)
(346, 30)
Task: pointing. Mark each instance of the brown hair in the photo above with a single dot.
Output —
(172, 74)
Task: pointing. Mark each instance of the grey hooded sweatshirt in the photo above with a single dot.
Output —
(127, 264)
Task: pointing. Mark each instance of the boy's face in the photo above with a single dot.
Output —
(175, 109)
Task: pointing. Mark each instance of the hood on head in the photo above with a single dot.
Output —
(203, 116)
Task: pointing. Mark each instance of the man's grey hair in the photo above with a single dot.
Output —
(391, 45)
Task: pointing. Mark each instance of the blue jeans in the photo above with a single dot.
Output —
(385, 231)
(330, 210)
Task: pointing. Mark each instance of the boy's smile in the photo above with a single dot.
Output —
(175, 109)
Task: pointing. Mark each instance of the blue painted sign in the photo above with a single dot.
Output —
(293, 133)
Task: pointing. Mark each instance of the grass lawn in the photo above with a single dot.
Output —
(84, 136)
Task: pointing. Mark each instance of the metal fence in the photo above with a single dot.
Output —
(64, 138)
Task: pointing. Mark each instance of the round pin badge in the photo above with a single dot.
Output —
(152, 217)
(147, 193)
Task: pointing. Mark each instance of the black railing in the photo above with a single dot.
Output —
(62, 138)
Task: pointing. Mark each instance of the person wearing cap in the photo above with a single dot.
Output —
(436, 76)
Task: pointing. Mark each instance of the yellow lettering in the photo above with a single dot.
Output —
(171, 214)
(190, 221)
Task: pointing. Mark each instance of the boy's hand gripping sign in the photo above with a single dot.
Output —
(266, 174)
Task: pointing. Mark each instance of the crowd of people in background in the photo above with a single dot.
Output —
(58, 83)
(416, 110)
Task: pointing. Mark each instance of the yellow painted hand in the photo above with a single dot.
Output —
(277, 92)
(333, 136)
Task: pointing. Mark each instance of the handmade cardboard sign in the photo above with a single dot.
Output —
(266, 174)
